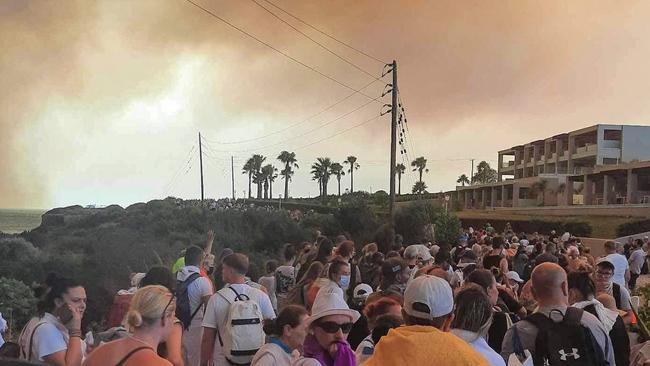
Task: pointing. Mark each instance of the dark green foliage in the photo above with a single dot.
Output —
(447, 229)
(576, 228)
(17, 303)
(634, 227)
(412, 220)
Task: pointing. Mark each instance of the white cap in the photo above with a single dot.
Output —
(330, 303)
(514, 276)
(434, 250)
(419, 251)
(524, 242)
(362, 291)
(428, 297)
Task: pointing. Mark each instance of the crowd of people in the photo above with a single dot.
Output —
(492, 298)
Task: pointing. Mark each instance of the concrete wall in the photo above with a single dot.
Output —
(636, 143)
(610, 210)
(596, 245)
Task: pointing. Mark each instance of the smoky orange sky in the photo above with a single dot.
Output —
(102, 101)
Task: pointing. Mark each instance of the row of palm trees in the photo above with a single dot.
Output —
(263, 175)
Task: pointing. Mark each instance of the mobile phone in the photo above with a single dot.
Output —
(65, 314)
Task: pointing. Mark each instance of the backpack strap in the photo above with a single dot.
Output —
(128, 355)
(573, 315)
(543, 324)
(31, 341)
(238, 296)
(616, 291)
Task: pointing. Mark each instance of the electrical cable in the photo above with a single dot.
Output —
(316, 42)
(274, 48)
(325, 34)
(292, 125)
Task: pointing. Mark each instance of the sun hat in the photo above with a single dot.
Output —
(514, 276)
(330, 303)
(411, 251)
(428, 297)
(362, 291)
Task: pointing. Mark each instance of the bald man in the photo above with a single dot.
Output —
(550, 290)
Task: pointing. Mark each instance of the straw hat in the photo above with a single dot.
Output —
(329, 303)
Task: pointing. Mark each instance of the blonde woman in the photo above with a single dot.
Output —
(151, 319)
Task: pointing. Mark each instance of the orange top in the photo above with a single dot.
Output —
(113, 352)
(422, 345)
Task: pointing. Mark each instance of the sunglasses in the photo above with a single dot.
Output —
(332, 327)
(171, 300)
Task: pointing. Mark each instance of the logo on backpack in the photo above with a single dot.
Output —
(555, 338)
(574, 354)
(243, 334)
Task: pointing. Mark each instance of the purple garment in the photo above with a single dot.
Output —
(344, 355)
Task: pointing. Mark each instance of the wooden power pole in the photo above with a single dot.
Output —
(232, 169)
(393, 139)
(201, 166)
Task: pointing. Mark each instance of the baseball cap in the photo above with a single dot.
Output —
(428, 297)
(362, 291)
(423, 253)
(514, 276)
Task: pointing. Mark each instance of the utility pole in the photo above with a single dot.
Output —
(201, 164)
(232, 169)
(393, 139)
(471, 177)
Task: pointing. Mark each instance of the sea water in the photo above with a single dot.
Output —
(14, 221)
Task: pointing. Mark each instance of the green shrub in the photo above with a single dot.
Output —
(633, 227)
(17, 304)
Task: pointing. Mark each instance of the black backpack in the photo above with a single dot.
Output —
(183, 310)
(565, 343)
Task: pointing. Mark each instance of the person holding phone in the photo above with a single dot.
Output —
(53, 336)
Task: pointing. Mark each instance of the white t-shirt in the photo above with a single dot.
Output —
(364, 350)
(217, 312)
(273, 355)
(269, 283)
(50, 337)
(636, 261)
(620, 266)
(199, 288)
(481, 346)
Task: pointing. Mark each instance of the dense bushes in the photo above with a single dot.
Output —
(634, 227)
(17, 303)
(412, 221)
(577, 228)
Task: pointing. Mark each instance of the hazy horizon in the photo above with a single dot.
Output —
(107, 98)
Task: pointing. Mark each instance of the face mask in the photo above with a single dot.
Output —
(345, 281)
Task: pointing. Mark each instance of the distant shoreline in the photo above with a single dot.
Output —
(15, 221)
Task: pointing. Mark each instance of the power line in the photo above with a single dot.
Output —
(316, 42)
(188, 159)
(300, 135)
(274, 49)
(292, 125)
(339, 133)
(325, 34)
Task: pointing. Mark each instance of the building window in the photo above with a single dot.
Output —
(610, 161)
(612, 135)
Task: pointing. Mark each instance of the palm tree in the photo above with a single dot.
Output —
(258, 160)
(321, 170)
(266, 175)
(248, 169)
(289, 161)
(463, 180)
(419, 188)
(351, 161)
(420, 165)
(338, 171)
(272, 178)
(540, 187)
(399, 169)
